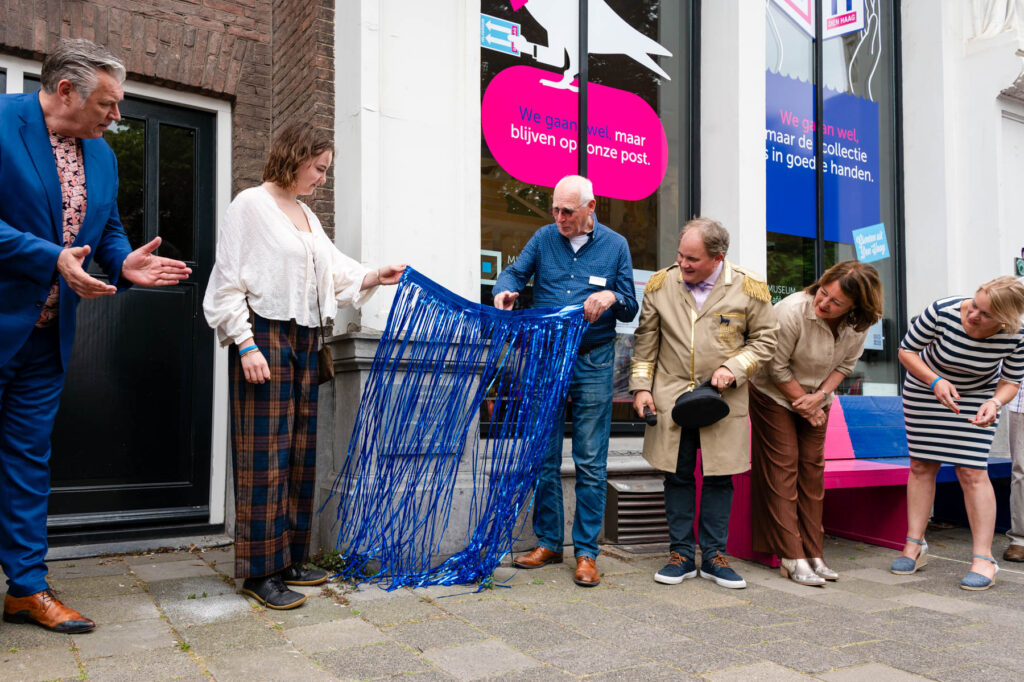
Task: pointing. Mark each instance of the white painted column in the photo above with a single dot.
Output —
(953, 144)
(407, 168)
(732, 123)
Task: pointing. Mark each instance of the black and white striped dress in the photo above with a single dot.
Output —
(973, 366)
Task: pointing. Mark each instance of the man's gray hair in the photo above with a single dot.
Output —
(77, 60)
(716, 237)
(578, 183)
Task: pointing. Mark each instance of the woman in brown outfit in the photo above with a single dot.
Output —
(821, 335)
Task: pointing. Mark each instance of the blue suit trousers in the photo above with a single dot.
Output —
(30, 387)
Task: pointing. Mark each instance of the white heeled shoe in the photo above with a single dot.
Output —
(799, 571)
(819, 567)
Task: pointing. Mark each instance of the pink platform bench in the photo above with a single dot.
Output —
(866, 469)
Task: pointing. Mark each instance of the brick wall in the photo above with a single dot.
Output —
(272, 59)
(303, 82)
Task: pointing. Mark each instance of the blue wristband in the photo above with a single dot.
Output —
(243, 351)
(937, 380)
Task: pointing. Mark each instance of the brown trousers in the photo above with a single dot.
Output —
(787, 477)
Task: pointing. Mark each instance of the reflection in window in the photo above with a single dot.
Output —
(177, 192)
(637, 93)
(127, 138)
(858, 182)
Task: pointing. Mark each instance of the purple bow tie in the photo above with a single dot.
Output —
(702, 286)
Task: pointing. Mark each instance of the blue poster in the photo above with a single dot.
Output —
(850, 138)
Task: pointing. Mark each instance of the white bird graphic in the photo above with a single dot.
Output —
(608, 34)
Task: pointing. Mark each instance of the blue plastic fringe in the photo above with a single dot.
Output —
(418, 433)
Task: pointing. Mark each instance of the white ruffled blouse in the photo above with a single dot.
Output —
(262, 257)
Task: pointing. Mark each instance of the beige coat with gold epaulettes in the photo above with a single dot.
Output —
(678, 346)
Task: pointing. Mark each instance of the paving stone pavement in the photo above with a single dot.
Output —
(176, 616)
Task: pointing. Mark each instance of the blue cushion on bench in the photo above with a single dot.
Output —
(875, 424)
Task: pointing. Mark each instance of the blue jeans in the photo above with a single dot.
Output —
(591, 393)
(681, 500)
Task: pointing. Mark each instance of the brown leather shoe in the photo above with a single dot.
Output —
(1014, 553)
(586, 572)
(537, 557)
(45, 610)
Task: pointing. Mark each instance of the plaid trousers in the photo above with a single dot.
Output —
(273, 436)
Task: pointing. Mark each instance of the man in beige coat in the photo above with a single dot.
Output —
(702, 318)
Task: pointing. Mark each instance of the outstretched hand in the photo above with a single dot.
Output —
(70, 267)
(143, 268)
(505, 300)
(390, 274)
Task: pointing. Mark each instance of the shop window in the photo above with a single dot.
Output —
(849, 209)
(637, 133)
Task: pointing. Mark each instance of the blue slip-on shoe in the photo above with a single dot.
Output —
(678, 569)
(904, 565)
(717, 568)
(976, 581)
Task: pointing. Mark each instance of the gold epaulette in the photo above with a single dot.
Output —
(754, 286)
(655, 282)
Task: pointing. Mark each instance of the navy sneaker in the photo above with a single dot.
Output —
(717, 568)
(678, 569)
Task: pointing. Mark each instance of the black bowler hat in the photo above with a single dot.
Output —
(703, 406)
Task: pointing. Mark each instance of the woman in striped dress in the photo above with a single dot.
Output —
(964, 359)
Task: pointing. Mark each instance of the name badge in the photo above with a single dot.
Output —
(598, 281)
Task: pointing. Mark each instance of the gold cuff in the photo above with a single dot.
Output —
(747, 361)
(641, 370)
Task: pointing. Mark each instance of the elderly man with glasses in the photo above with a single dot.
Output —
(576, 260)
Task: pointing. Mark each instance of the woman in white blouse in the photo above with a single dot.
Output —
(276, 277)
(822, 330)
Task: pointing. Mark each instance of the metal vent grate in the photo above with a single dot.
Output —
(635, 511)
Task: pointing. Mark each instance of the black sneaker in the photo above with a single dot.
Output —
(298, 575)
(272, 593)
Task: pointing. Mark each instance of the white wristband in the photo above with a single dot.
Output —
(995, 400)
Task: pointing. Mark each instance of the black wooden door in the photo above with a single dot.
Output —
(131, 447)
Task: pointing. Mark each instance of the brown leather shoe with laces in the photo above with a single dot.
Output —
(1014, 553)
(45, 610)
(586, 572)
(537, 557)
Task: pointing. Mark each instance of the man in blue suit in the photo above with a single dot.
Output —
(58, 211)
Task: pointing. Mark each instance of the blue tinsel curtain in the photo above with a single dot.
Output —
(417, 439)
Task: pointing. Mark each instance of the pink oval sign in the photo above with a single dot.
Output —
(532, 131)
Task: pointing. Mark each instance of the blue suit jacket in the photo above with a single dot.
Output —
(31, 212)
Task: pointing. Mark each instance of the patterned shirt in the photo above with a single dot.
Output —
(67, 152)
(562, 277)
